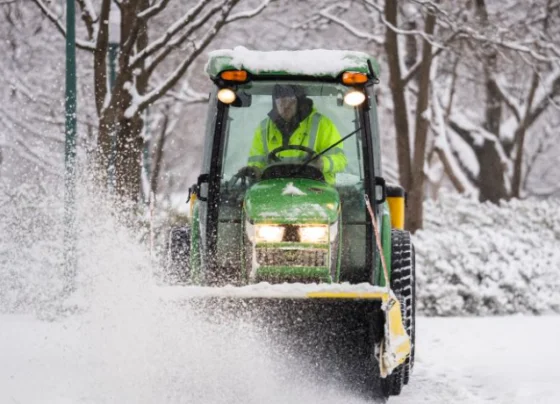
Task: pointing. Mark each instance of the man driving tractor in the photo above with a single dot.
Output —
(293, 121)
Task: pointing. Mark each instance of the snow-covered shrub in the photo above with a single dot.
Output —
(482, 259)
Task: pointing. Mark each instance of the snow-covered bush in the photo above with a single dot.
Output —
(483, 259)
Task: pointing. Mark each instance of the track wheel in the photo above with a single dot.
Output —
(403, 285)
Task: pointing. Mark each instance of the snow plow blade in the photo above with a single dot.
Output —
(365, 306)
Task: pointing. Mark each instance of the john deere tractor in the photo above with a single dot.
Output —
(311, 234)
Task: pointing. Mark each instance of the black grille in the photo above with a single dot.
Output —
(292, 257)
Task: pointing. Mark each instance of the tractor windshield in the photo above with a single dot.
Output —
(261, 133)
(279, 124)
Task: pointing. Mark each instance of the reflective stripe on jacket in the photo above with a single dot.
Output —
(316, 132)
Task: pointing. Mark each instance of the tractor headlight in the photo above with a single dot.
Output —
(268, 233)
(314, 234)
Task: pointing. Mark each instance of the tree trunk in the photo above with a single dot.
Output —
(492, 180)
(129, 156)
(158, 153)
(491, 175)
(415, 213)
(104, 145)
(129, 143)
(398, 91)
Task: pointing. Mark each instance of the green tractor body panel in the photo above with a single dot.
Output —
(292, 201)
(281, 63)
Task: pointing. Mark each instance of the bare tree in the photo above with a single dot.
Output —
(511, 107)
(141, 59)
(466, 33)
(407, 75)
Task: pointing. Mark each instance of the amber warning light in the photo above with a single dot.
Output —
(234, 75)
(351, 78)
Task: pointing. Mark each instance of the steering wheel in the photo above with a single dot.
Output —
(244, 176)
(273, 155)
(235, 179)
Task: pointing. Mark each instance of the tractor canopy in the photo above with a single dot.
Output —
(313, 63)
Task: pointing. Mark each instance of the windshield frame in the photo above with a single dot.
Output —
(327, 99)
(216, 147)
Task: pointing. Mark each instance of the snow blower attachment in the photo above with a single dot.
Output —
(291, 216)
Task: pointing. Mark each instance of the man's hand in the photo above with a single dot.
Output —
(250, 171)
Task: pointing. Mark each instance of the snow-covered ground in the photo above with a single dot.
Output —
(511, 360)
(122, 343)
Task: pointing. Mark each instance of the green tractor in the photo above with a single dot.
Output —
(266, 213)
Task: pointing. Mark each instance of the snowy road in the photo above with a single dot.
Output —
(487, 360)
(141, 359)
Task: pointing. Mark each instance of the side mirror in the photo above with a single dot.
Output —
(380, 190)
(202, 179)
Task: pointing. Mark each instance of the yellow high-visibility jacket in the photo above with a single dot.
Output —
(316, 131)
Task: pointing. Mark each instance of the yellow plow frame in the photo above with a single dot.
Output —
(395, 345)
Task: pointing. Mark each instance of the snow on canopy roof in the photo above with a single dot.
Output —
(315, 62)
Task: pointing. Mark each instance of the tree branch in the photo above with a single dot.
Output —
(163, 40)
(88, 17)
(508, 99)
(250, 13)
(442, 148)
(414, 69)
(545, 101)
(155, 94)
(176, 42)
(83, 45)
(153, 10)
(359, 34)
(100, 57)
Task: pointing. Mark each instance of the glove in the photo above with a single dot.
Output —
(317, 163)
(250, 171)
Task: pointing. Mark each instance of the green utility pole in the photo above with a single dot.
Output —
(70, 151)
(111, 169)
(114, 43)
(146, 166)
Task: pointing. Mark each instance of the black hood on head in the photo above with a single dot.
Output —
(304, 107)
(287, 90)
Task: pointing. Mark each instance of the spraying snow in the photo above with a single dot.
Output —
(117, 340)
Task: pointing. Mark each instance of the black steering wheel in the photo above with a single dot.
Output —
(273, 155)
(245, 176)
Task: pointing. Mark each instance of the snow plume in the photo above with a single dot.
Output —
(30, 247)
(121, 342)
(485, 259)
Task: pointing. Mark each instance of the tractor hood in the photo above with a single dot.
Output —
(291, 201)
